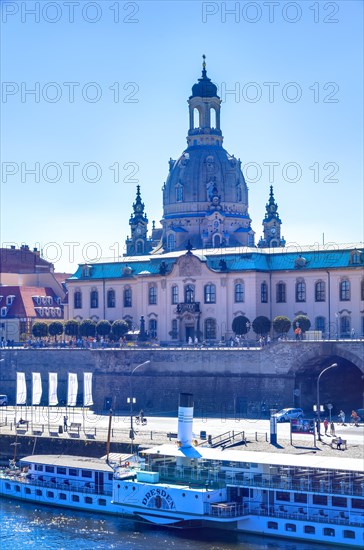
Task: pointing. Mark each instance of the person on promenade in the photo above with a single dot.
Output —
(332, 429)
(342, 417)
(355, 418)
(326, 425)
(65, 423)
(339, 442)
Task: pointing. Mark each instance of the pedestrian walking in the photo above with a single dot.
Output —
(326, 425)
(332, 429)
(342, 417)
(65, 423)
(318, 428)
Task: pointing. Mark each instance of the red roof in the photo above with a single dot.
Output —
(30, 301)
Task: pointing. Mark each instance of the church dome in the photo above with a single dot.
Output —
(204, 87)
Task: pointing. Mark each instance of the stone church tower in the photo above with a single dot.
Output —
(138, 243)
(205, 197)
(272, 225)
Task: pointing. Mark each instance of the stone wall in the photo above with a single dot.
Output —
(223, 381)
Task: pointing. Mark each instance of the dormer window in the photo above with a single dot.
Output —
(9, 300)
(355, 257)
(4, 311)
(36, 300)
(50, 300)
(86, 271)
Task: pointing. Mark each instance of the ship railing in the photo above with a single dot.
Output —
(314, 515)
(70, 487)
(225, 509)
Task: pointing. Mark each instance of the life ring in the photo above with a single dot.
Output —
(127, 464)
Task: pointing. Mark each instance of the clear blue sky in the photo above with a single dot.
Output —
(154, 49)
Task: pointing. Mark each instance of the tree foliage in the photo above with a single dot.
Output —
(303, 322)
(55, 329)
(241, 325)
(40, 329)
(72, 327)
(87, 328)
(103, 328)
(261, 325)
(281, 324)
(119, 328)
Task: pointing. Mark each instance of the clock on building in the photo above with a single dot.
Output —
(273, 230)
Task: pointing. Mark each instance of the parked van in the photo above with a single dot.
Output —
(3, 400)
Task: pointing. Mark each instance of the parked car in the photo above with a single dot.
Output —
(3, 400)
(285, 415)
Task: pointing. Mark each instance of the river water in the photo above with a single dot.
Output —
(24, 525)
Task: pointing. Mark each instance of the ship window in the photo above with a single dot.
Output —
(73, 472)
(272, 525)
(339, 501)
(319, 499)
(27, 491)
(102, 502)
(62, 496)
(38, 468)
(349, 534)
(358, 503)
(282, 496)
(309, 529)
(49, 469)
(290, 527)
(17, 488)
(61, 471)
(196, 496)
(110, 477)
(88, 500)
(7, 486)
(38, 492)
(50, 494)
(329, 532)
(86, 473)
(300, 497)
(75, 498)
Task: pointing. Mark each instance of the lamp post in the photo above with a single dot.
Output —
(337, 315)
(248, 325)
(318, 396)
(131, 401)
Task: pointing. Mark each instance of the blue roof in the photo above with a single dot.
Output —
(250, 259)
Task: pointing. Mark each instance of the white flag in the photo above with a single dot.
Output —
(21, 389)
(52, 394)
(36, 388)
(72, 389)
(87, 389)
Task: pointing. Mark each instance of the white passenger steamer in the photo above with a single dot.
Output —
(319, 499)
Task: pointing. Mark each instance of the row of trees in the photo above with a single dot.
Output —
(86, 328)
(262, 325)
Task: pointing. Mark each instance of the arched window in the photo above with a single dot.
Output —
(170, 242)
(264, 293)
(320, 291)
(152, 295)
(212, 117)
(196, 118)
(152, 326)
(77, 299)
(189, 294)
(175, 294)
(281, 293)
(127, 297)
(345, 323)
(239, 292)
(179, 192)
(94, 299)
(300, 291)
(239, 196)
(345, 291)
(110, 298)
(139, 247)
(210, 329)
(217, 240)
(210, 294)
(320, 324)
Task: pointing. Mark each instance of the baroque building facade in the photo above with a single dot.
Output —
(201, 269)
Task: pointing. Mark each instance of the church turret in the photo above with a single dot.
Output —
(204, 107)
(272, 225)
(138, 243)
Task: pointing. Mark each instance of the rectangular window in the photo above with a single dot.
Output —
(75, 498)
(281, 293)
(73, 472)
(88, 500)
(50, 494)
(264, 293)
(38, 468)
(319, 499)
(358, 503)
(349, 534)
(282, 496)
(290, 527)
(329, 532)
(62, 496)
(272, 525)
(27, 491)
(49, 469)
(102, 502)
(61, 470)
(38, 492)
(300, 497)
(174, 294)
(339, 501)
(86, 473)
(309, 529)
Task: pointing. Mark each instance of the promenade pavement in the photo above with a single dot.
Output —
(89, 425)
